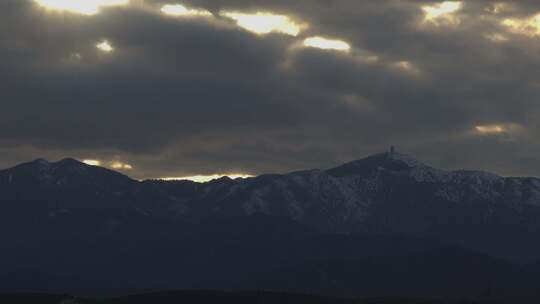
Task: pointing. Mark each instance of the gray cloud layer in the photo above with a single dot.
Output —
(185, 96)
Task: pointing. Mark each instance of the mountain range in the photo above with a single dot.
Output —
(383, 225)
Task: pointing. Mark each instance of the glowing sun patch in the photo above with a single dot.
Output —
(105, 46)
(84, 7)
(120, 166)
(264, 23)
(442, 12)
(178, 10)
(327, 44)
(490, 129)
(92, 162)
(499, 129)
(525, 26)
(206, 178)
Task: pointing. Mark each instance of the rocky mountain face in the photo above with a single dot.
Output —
(387, 193)
(383, 225)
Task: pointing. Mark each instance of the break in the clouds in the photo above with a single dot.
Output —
(327, 44)
(180, 10)
(442, 12)
(86, 7)
(167, 88)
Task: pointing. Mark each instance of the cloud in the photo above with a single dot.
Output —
(203, 96)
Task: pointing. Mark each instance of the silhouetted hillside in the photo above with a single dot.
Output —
(384, 225)
(210, 297)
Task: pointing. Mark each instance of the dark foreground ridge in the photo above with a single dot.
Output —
(385, 225)
(257, 297)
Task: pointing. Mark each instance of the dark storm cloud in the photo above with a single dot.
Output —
(182, 96)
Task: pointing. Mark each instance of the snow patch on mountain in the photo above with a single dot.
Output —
(404, 158)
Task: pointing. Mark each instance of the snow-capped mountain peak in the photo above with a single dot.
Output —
(389, 161)
(384, 192)
(403, 158)
(41, 162)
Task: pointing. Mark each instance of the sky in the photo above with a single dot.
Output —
(161, 89)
